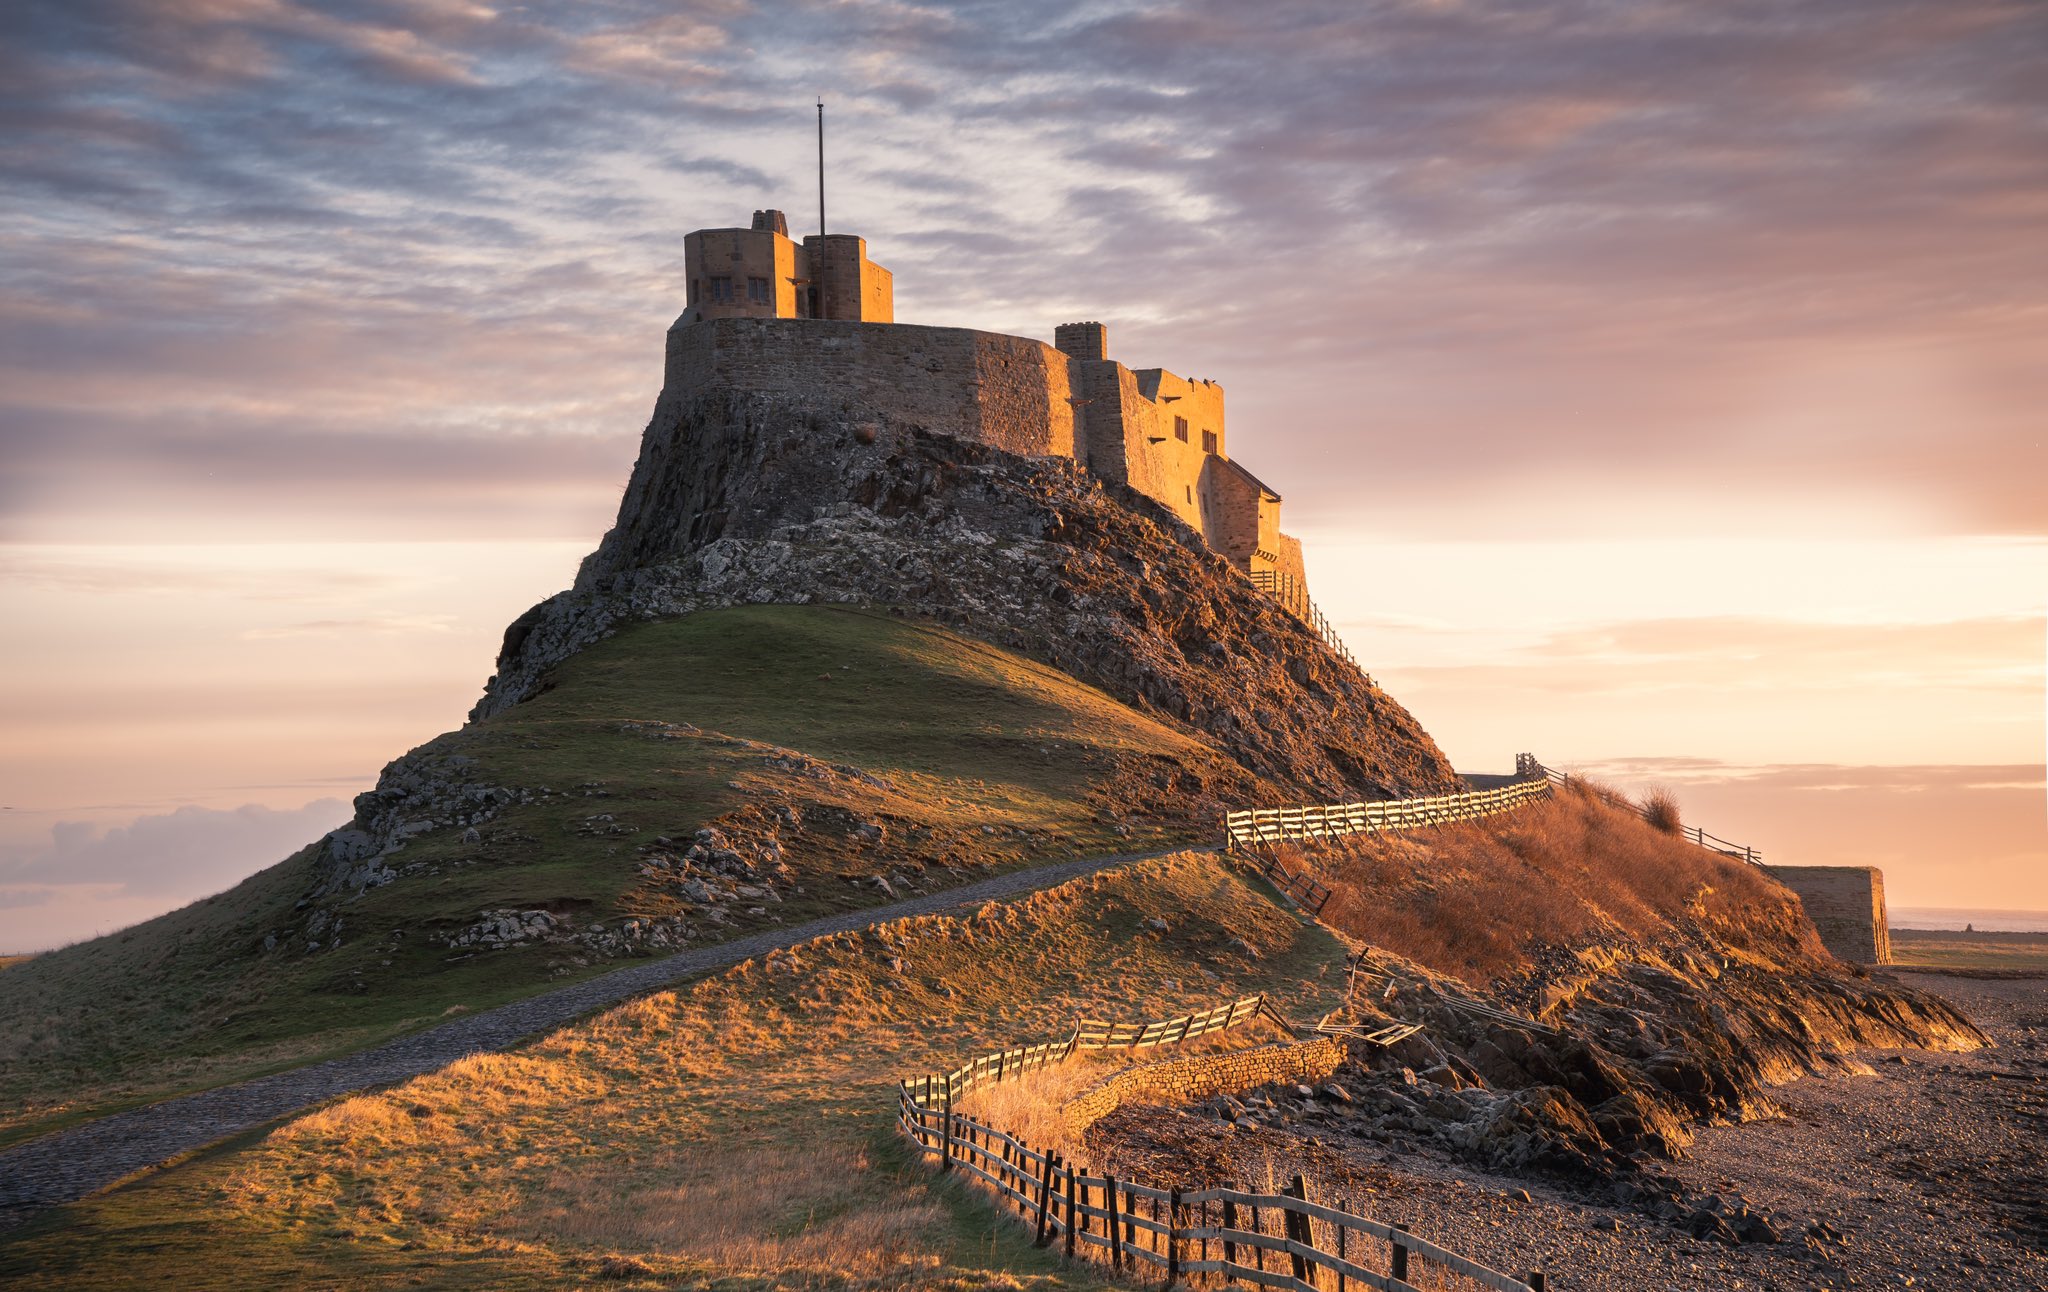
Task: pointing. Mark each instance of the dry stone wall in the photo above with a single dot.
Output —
(1183, 1081)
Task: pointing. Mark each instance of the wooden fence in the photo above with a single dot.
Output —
(1275, 825)
(1089, 1034)
(1293, 597)
(1235, 1236)
(1526, 765)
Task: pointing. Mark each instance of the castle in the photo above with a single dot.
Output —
(771, 315)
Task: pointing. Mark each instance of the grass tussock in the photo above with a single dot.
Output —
(1660, 811)
(1478, 899)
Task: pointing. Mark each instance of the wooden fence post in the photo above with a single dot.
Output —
(946, 1131)
(1229, 1224)
(1073, 1215)
(1116, 1243)
(1173, 1238)
(1343, 1205)
(1294, 1226)
(1044, 1197)
(1535, 1281)
(1400, 1254)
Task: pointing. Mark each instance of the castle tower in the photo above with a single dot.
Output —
(1081, 341)
(758, 272)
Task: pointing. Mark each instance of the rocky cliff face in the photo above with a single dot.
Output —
(746, 498)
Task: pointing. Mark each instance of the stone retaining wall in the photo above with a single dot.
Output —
(1186, 1080)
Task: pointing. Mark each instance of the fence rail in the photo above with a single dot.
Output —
(1253, 826)
(1092, 1034)
(1293, 597)
(1282, 1240)
(1526, 765)
(1328, 821)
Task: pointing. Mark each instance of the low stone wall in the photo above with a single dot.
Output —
(1846, 905)
(1186, 1080)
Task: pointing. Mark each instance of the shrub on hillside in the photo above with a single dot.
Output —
(1660, 809)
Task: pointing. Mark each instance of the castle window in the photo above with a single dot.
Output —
(1180, 429)
(757, 291)
(693, 291)
(721, 290)
(1191, 492)
(1208, 441)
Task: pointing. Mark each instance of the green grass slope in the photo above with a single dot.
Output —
(954, 755)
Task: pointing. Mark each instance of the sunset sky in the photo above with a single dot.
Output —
(1658, 387)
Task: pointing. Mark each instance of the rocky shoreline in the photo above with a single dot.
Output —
(1875, 1166)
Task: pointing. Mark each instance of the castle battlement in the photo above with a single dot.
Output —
(771, 316)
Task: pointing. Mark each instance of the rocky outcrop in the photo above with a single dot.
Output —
(744, 498)
(1636, 1054)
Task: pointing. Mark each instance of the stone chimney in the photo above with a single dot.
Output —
(1081, 340)
(770, 222)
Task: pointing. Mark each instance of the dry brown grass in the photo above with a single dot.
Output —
(798, 1214)
(1474, 900)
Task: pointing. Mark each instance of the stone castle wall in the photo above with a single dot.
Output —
(1186, 1080)
(1846, 905)
(1157, 433)
(1006, 391)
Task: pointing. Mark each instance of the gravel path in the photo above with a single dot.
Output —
(71, 1164)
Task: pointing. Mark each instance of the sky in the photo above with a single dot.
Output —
(1659, 387)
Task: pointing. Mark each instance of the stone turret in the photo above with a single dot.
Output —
(758, 272)
(1081, 340)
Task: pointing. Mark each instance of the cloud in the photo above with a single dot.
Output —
(1946, 835)
(1938, 778)
(1734, 653)
(1505, 263)
(384, 625)
(171, 857)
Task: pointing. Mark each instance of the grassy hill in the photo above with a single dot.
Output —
(736, 1133)
(858, 745)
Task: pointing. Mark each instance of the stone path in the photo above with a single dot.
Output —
(71, 1164)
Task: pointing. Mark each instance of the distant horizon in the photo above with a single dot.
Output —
(1940, 919)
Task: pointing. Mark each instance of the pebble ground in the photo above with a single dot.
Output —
(1931, 1173)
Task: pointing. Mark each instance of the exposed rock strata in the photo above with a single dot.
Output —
(1635, 1051)
(740, 499)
